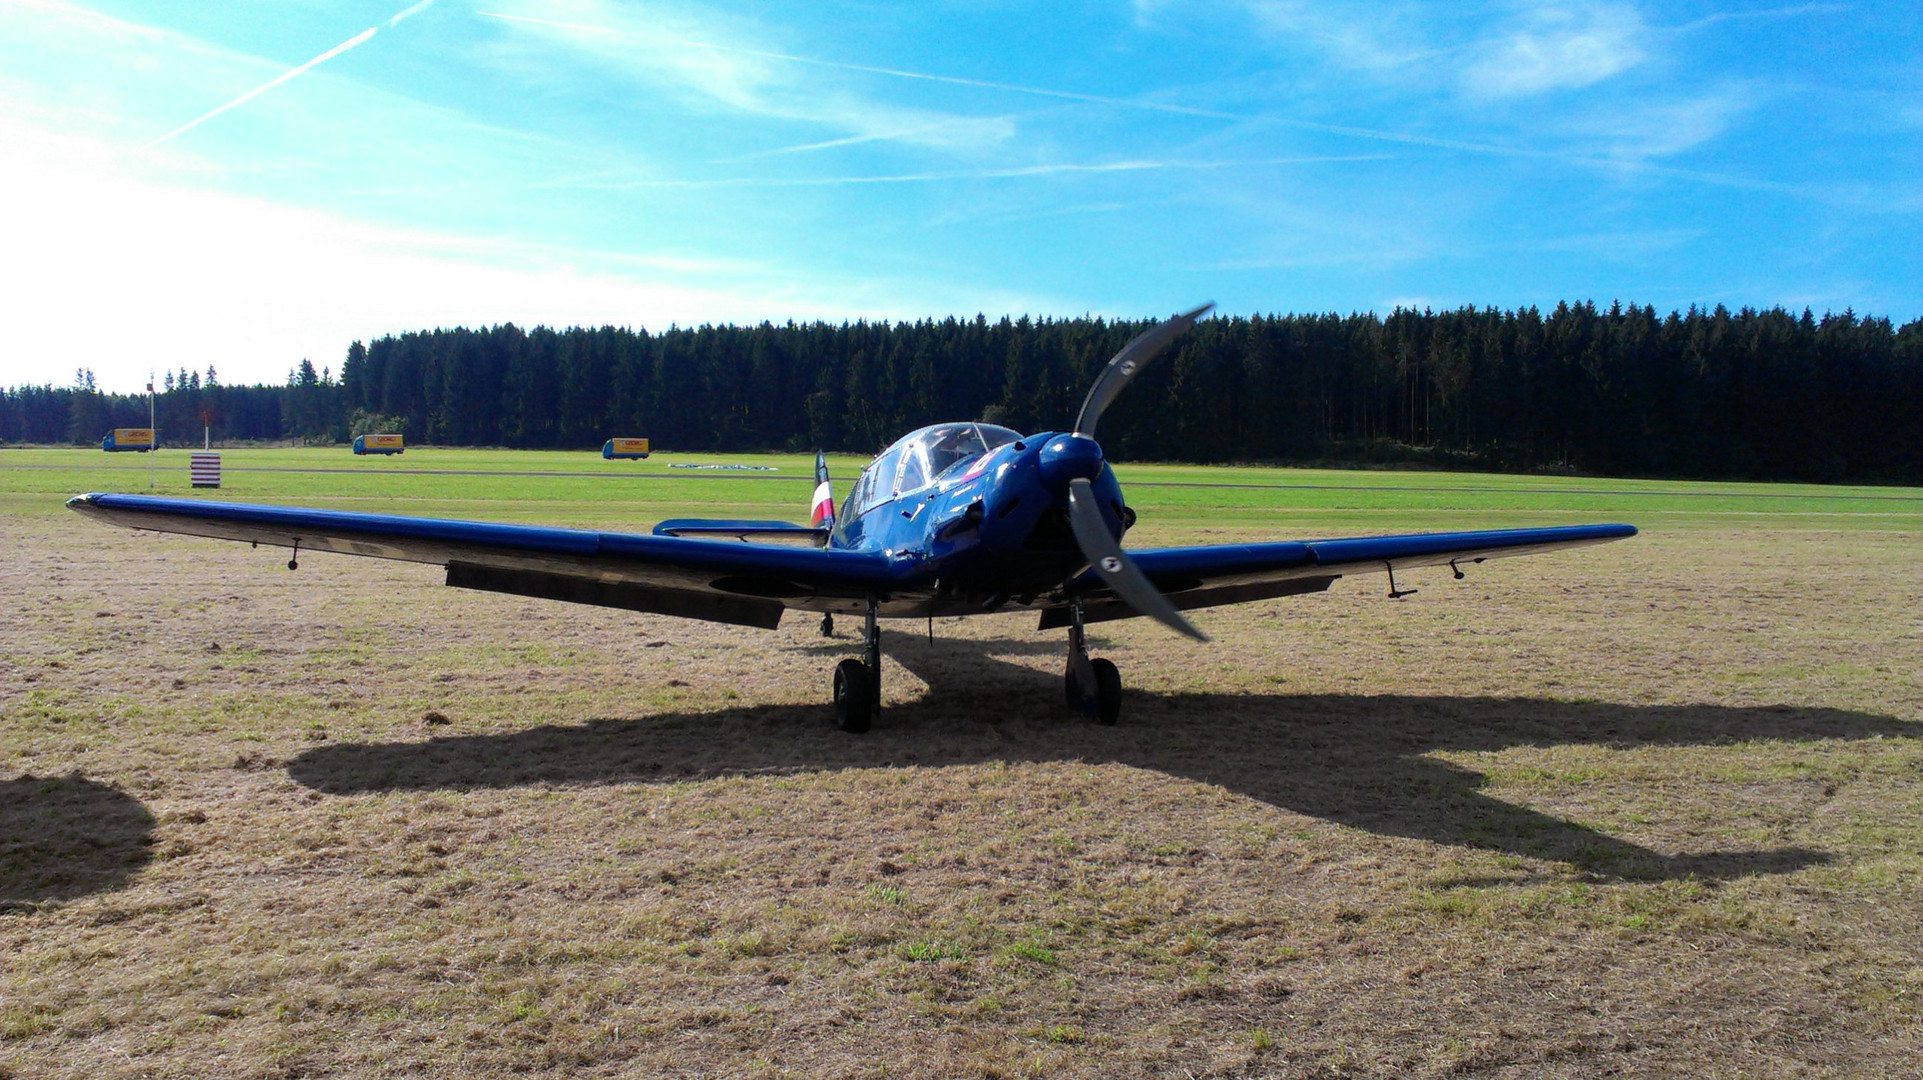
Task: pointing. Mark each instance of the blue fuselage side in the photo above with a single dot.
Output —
(992, 528)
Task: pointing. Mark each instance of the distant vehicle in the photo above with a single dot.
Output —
(138, 439)
(378, 444)
(624, 449)
(955, 519)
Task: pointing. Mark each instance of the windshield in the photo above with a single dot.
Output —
(948, 445)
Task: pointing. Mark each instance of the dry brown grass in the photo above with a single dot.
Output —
(1647, 810)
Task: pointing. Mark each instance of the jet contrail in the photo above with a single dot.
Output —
(1017, 172)
(357, 39)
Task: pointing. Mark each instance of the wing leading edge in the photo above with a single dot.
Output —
(752, 583)
(1194, 577)
(723, 581)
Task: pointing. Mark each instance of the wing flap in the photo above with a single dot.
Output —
(574, 589)
(1103, 610)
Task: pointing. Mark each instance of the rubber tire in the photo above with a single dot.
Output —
(854, 696)
(1108, 691)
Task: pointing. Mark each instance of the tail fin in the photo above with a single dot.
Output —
(823, 515)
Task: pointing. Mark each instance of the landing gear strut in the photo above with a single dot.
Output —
(1092, 687)
(858, 685)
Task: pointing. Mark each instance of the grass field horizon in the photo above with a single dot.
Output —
(1646, 809)
(1178, 496)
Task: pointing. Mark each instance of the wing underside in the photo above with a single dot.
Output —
(1195, 577)
(719, 580)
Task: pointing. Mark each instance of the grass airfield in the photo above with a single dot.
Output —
(1644, 809)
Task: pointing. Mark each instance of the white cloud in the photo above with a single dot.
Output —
(1384, 40)
(119, 273)
(1559, 47)
(1661, 128)
(1522, 50)
(1793, 12)
(708, 61)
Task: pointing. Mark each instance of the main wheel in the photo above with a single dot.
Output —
(1108, 690)
(854, 696)
(1071, 687)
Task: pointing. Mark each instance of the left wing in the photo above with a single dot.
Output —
(721, 581)
(1196, 577)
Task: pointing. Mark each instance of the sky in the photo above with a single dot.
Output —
(243, 185)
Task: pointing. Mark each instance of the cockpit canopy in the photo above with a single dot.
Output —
(920, 457)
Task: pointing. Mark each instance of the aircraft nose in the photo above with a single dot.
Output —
(1069, 457)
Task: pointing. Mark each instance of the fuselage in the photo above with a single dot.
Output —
(987, 522)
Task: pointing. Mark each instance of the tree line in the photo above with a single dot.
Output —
(1709, 393)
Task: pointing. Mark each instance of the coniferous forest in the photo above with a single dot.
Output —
(1752, 394)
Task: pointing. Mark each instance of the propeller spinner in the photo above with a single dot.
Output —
(1103, 552)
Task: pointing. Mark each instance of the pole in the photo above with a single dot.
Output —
(153, 433)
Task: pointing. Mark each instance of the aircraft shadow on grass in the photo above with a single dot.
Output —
(1355, 760)
(64, 837)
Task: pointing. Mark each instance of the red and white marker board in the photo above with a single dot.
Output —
(204, 470)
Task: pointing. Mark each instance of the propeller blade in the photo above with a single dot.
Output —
(1114, 565)
(1123, 365)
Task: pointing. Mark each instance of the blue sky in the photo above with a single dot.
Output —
(187, 186)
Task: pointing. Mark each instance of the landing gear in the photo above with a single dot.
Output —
(854, 696)
(1091, 687)
(1108, 691)
(828, 625)
(858, 684)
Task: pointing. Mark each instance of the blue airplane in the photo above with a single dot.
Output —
(954, 519)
